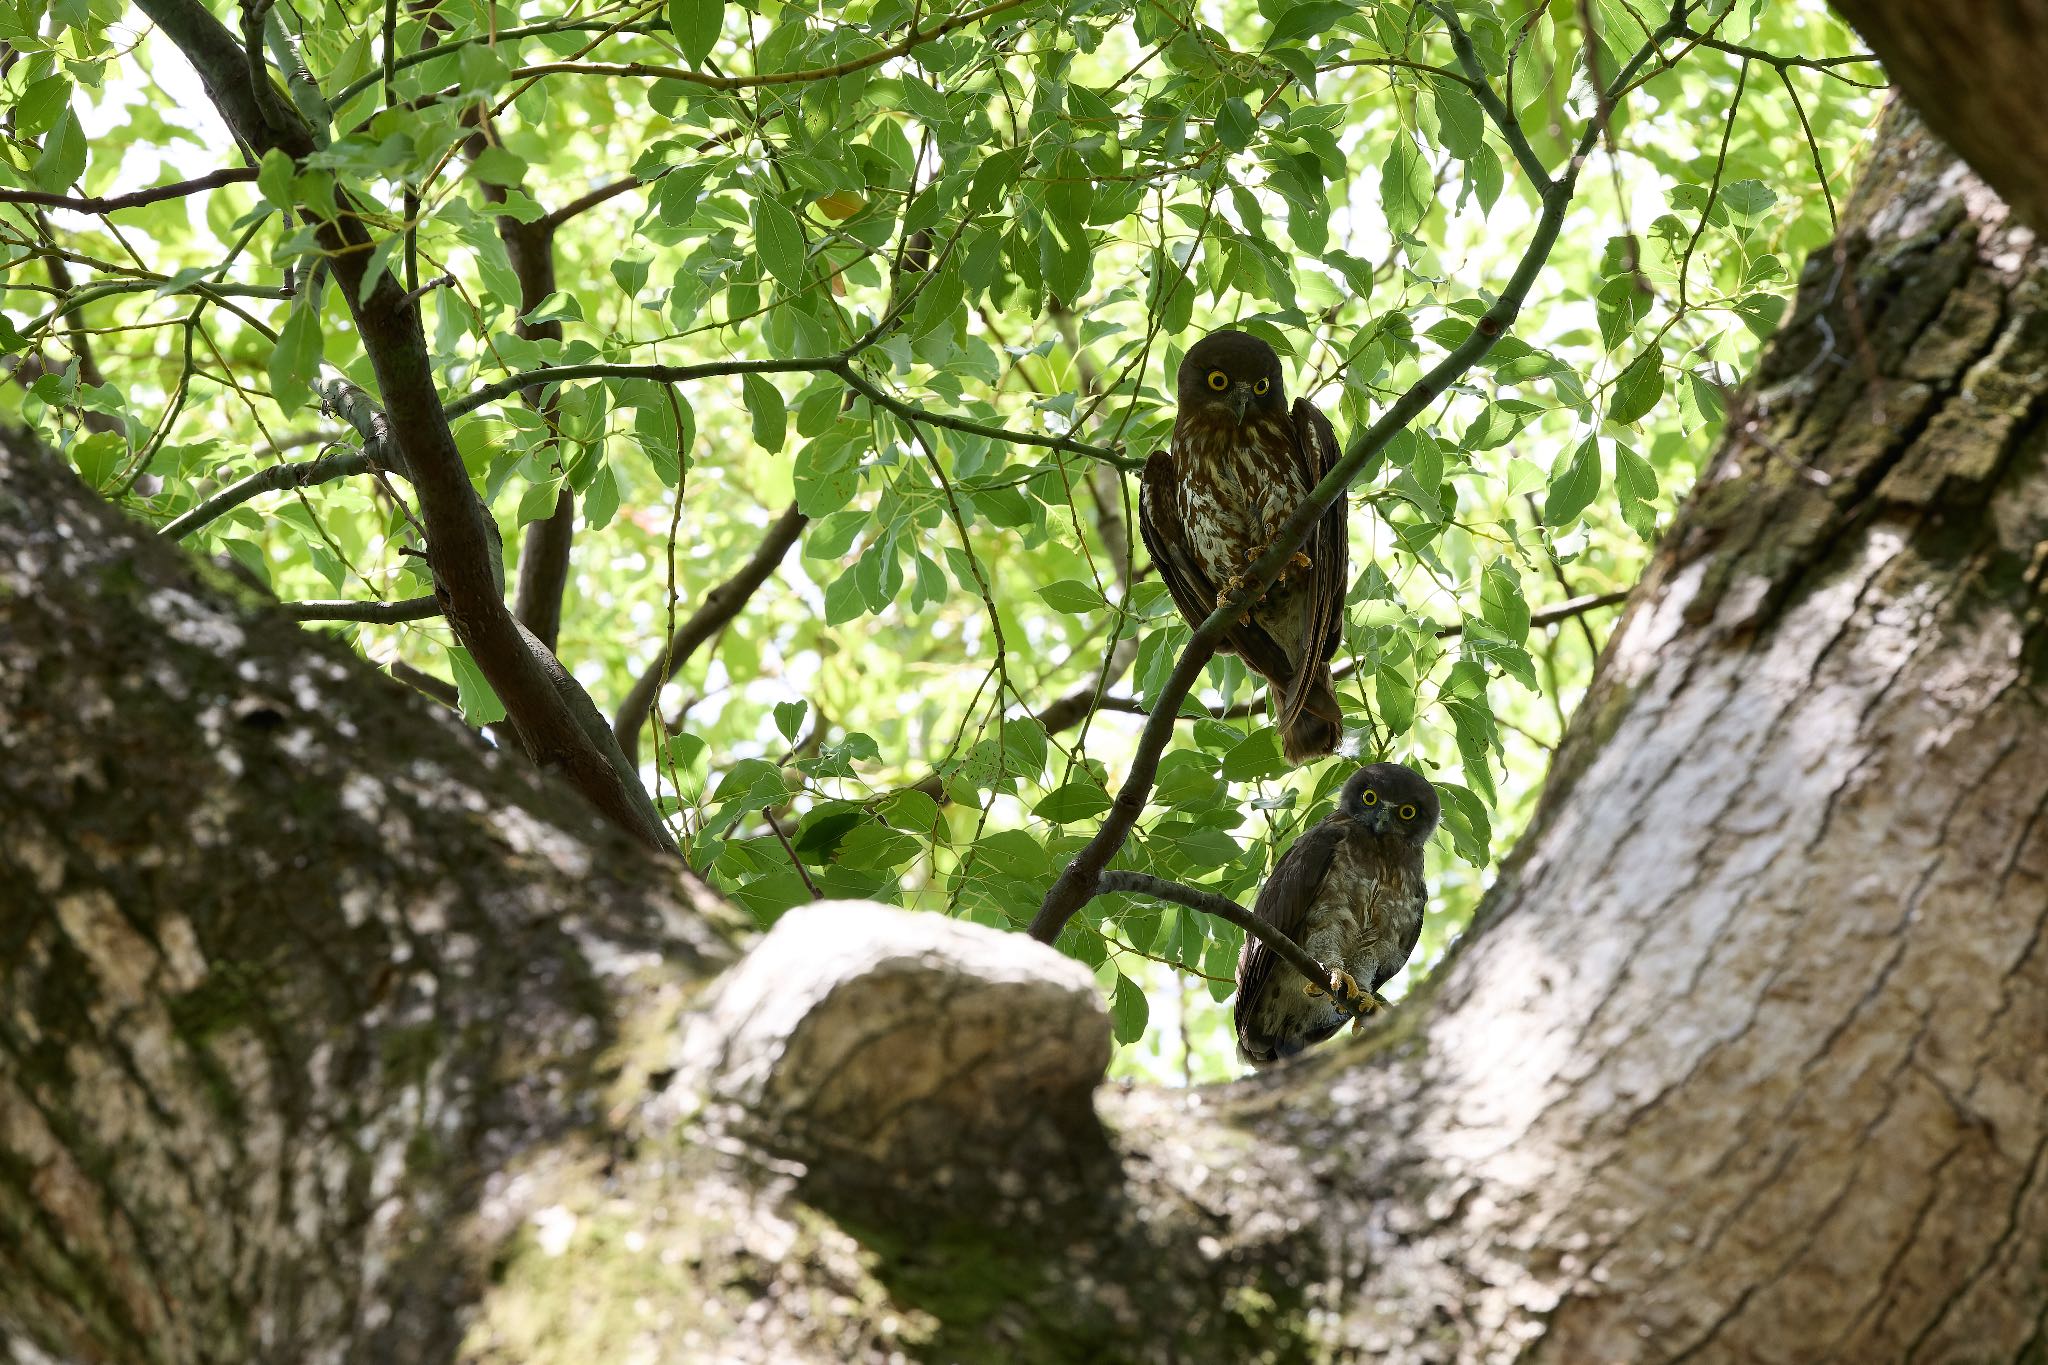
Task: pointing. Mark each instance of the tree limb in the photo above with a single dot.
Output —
(275, 479)
(134, 199)
(379, 613)
(1222, 907)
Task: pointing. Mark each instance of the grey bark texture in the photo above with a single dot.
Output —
(327, 1035)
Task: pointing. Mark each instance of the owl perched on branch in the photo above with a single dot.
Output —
(1240, 462)
(1351, 892)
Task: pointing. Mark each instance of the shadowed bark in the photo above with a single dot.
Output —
(331, 1035)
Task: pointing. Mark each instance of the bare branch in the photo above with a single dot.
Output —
(134, 199)
(1224, 908)
(378, 613)
(275, 479)
(1825, 65)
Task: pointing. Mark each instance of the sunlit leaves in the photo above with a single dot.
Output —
(1072, 596)
(1636, 483)
(779, 240)
(1129, 1011)
(62, 159)
(1574, 484)
(1406, 185)
(1637, 389)
(479, 704)
(1303, 169)
(769, 415)
(295, 359)
(695, 24)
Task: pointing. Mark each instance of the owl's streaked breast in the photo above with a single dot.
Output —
(1237, 483)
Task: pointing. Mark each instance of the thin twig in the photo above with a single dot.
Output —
(1549, 616)
(1223, 908)
(794, 861)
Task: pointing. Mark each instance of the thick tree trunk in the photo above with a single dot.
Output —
(327, 1036)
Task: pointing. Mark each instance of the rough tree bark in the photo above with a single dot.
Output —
(327, 1036)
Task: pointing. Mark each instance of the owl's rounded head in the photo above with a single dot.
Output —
(1233, 369)
(1392, 799)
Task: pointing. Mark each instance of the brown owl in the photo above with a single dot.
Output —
(1241, 461)
(1351, 892)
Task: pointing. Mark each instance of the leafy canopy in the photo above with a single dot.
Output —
(973, 243)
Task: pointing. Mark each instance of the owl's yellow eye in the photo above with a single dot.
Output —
(1261, 387)
(1218, 380)
(1369, 799)
(1406, 812)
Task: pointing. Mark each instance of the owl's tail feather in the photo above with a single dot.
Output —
(1306, 710)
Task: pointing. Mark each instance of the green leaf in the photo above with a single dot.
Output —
(1129, 1012)
(1636, 482)
(1072, 596)
(1406, 187)
(1478, 737)
(493, 166)
(1748, 198)
(751, 784)
(695, 24)
(1461, 125)
(1306, 21)
(1466, 821)
(1256, 756)
(843, 599)
(1072, 802)
(781, 242)
(479, 704)
(683, 749)
(1637, 389)
(1573, 488)
(1234, 124)
(1500, 599)
(537, 503)
(1620, 306)
(40, 104)
(789, 718)
(63, 156)
(1396, 696)
(560, 306)
(295, 359)
(274, 178)
(827, 476)
(768, 410)
(99, 458)
(1070, 195)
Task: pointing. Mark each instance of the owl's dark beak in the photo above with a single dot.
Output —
(1378, 817)
(1239, 398)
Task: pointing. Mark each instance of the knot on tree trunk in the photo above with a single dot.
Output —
(899, 1055)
